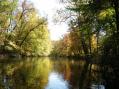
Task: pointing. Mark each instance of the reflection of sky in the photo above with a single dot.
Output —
(97, 87)
(56, 81)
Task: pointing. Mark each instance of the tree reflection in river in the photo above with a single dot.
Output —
(26, 74)
(45, 73)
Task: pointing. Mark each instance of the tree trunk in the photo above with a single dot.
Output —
(116, 7)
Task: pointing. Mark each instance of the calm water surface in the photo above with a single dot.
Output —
(48, 73)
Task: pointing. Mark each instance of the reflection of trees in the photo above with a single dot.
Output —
(79, 74)
(70, 69)
(33, 73)
(90, 74)
(63, 67)
(27, 74)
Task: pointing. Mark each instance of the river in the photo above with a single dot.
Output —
(49, 73)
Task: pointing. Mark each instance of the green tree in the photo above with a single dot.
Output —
(99, 18)
(26, 32)
(7, 10)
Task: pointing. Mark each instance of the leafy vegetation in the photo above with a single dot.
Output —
(93, 33)
(22, 30)
(91, 22)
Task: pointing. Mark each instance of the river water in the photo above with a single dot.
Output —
(49, 73)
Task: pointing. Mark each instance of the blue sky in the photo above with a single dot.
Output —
(47, 8)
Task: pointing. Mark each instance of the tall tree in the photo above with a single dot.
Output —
(20, 26)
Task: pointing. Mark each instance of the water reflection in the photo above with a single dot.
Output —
(56, 81)
(97, 86)
(25, 74)
(47, 73)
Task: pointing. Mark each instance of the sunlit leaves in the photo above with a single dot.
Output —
(21, 25)
(107, 13)
(91, 19)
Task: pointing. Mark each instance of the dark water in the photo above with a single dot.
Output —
(49, 73)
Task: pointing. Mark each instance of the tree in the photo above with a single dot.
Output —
(24, 28)
(7, 10)
(99, 18)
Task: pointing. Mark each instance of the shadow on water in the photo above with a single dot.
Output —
(49, 73)
(91, 77)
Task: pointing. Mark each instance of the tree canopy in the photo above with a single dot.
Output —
(22, 29)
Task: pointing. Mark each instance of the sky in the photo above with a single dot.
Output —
(47, 8)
